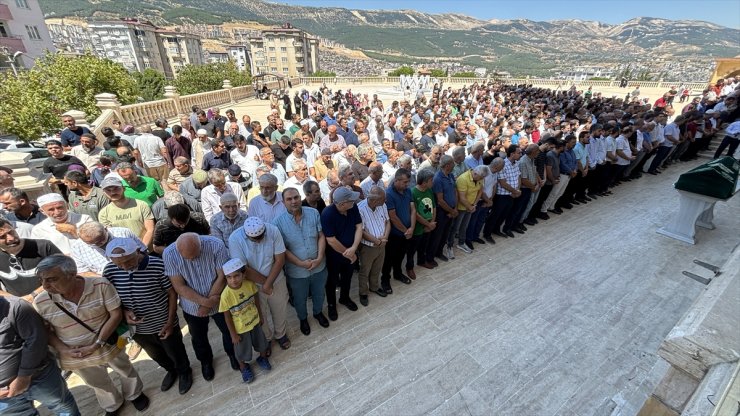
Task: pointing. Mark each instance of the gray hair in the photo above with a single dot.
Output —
(403, 160)
(268, 179)
(124, 165)
(364, 150)
(91, 229)
(172, 198)
(477, 147)
(57, 261)
(375, 192)
(216, 175)
(481, 170)
(308, 185)
(228, 197)
(182, 160)
(530, 148)
(458, 151)
(344, 169)
(424, 175)
(497, 162)
(297, 163)
(446, 160)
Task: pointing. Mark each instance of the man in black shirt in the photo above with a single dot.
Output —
(18, 260)
(160, 129)
(19, 207)
(219, 121)
(208, 125)
(58, 165)
(180, 220)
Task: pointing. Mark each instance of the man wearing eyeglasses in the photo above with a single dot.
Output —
(18, 260)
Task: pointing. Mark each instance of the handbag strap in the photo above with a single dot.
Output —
(71, 315)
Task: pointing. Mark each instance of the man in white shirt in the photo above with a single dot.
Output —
(374, 178)
(151, 153)
(60, 225)
(298, 154)
(210, 196)
(88, 151)
(245, 155)
(269, 203)
(300, 176)
(376, 227)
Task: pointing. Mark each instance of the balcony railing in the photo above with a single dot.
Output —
(5, 13)
(13, 43)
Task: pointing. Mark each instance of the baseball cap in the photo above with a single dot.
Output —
(111, 181)
(344, 194)
(128, 245)
(232, 265)
(254, 227)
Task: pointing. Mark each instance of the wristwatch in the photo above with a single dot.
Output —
(100, 343)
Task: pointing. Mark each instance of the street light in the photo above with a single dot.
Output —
(11, 59)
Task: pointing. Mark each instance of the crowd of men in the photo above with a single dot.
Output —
(239, 223)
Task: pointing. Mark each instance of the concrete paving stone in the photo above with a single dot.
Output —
(284, 375)
(324, 409)
(281, 404)
(416, 307)
(380, 325)
(485, 394)
(454, 406)
(366, 394)
(553, 386)
(334, 350)
(232, 401)
(371, 359)
(414, 333)
(325, 384)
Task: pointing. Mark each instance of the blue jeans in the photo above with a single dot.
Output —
(301, 287)
(47, 387)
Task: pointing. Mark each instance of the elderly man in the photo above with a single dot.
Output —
(126, 212)
(376, 227)
(230, 218)
(83, 197)
(469, 190)
(247, 156)
(150, 303)
(210, 198)
(347, 179)
(179, 174)
(445, 193)
(434, 158)
(458, 156)
(323, 165)
(486, 203)
(298, 153)
(88, 151)
(508, 189)
(88, 251)
(374, 178)
(260, 246)
(401, 211)
(180, 220)
(342, 226)
(193, 265)
(60, 226)
(82, 315)
(19, 206)
(425, 220)
(193, 186)
(268, 205)
(300, 176)
(201, 146)
(332, 140)
(28, 372)
(170, 198)
(305, 265)
(361, 166)
(530, 184)
(143, 188)
(18, 260)
(151, 153)
(328, 185)
(276, 169)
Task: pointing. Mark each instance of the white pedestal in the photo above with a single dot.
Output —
(694, 210)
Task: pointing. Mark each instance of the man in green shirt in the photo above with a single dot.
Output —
(143, 188)
(425, 215)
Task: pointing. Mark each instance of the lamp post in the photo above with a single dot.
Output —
(11, 59)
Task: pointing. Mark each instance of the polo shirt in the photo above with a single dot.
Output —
(259, 255)
(144, 292)
(20, 278)
(89, 205)
(33, 219)
(553, 160)
(302, 239)
(623, 145)
(340, 226)
(199, 273)
(72, 137)
(211, 161)
(258, 207)
(147, 190)
(468, 188)
(400, 202)
(445, 184)
(373, 220)
(669, 130)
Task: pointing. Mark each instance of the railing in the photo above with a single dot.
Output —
(144, 113)
(204, 99)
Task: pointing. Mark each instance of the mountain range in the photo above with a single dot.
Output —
(408, 35)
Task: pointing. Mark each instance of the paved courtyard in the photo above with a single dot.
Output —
(565, 320)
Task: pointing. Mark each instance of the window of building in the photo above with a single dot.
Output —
(23, 4)
(273, 59)
(272, 49)
(3, 30)
(273, 69)
(282, 38)
(285, 60)
(283, 49)
(33, 32)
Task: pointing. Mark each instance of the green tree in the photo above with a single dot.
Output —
(464, 75)
(599, 79)
(193, 79)
(324, 74)
(31, 104)
(438, 73)
(151, 84)
(404, 70)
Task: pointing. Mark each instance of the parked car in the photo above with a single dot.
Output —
(11, 143)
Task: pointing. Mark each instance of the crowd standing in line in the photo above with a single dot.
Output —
(240, 223)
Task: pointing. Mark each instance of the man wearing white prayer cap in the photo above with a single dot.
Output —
(60, 226)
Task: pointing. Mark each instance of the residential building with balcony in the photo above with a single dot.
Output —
(22, 29)
(285, 50)
(241, 56)
(179, 49)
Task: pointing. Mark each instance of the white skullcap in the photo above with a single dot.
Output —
(203, 132)
(49, 198)
(232, 265)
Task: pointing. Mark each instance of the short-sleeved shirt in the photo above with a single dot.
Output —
(259, 255)
(553, 160)
(302, 239)
(340, 226)
(511, 174)
(373, 220)
(132, 216)
(445, 184)
(150, 147)
(424, 202)
(400, 202)
(59, 167)
(199, 273)
(468, 188)
(242, 306)
(526, 166)
(624, 146)
(258, 207)
(47, 230)
(71, 138)
(144, 292)
(90, 205)
(90, 258)
(222, 227)
(165, 233)
(147, 190)
(20, 278)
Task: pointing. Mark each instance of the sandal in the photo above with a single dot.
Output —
(284, 342)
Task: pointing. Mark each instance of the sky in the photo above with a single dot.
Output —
(722, 12)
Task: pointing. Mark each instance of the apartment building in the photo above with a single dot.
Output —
(285, 50)
(22, 29)
(179, 49)
(241, 56)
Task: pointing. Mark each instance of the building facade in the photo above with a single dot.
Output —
(22, 29)
(286, 50)
(241, 57)
(179, 49)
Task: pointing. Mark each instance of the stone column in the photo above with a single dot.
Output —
(27, 177)
(171, 93)
(227, 86)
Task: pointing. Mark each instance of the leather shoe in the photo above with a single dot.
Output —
(234, 363)
(333, 312)
(529, 221)
(363, 300)
(208, 371)
(387, 289)
(381, 293)
(490, 239)
(566, 206)
(442, 257)
(322, 320)
(555, 211)
(479, 241)
(434, 263)
(521, 227)
(427, 265)
(403, 279)
(305, 327)
(509, 234)
(349, 304)
(543, 216)
(411, 273)
(168, 381)
(141, 403)
(184, 382)
(517, 230)
(499, 233)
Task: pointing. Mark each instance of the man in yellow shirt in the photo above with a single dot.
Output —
(469, 190)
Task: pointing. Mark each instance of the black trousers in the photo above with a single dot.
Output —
(730, 141)
(339, 271)
(422, 247)
(502, 205)
(169, 353)
(517, 209)
(198, 327)
(395, 252)
(541, 198)
(438, 238)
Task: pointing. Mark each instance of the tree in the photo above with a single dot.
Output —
(404, 70)
(599, 79)
(438, 73)
(324, 74)
(464, 75)
(151, 84)
(193, 79)
(32, 103)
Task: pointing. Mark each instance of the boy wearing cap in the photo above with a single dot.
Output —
(149, 305)
(240, 305)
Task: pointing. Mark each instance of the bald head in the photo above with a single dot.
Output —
(188, 245)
